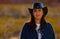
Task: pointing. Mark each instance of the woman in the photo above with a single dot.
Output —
(38, 28)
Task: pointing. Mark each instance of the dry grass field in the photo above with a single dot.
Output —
(9, 25)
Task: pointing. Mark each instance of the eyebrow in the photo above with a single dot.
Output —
(36, 9)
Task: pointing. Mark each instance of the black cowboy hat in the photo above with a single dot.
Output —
(38, 6)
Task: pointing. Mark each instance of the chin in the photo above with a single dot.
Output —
(38, 18)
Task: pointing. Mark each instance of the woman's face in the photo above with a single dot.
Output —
(37, 13)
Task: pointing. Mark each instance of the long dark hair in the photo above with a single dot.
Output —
(32, 24)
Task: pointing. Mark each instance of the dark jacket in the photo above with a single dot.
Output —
(47, 33)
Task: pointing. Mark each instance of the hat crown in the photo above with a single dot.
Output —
(37, 5)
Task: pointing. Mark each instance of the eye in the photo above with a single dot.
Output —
(34, 10)
(39, 10)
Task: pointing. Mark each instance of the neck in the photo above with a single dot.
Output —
(37, 21)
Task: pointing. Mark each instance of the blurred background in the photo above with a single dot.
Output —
(14, 13)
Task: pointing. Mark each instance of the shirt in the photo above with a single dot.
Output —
(39, 34)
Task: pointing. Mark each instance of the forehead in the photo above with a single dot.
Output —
(37, 9)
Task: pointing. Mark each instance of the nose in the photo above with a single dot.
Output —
(37, 12)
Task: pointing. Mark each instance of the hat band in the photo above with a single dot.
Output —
(37, 7)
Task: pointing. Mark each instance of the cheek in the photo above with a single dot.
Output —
(41, 13)
(34, 14)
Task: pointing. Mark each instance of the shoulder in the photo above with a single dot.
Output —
(25, 26)
(50, 29)
(24, 29)
(49, 26)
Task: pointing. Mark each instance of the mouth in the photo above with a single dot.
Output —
(37, 15)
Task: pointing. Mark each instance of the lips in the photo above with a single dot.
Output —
(37, 15)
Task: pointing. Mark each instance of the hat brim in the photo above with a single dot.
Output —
(45, 10)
